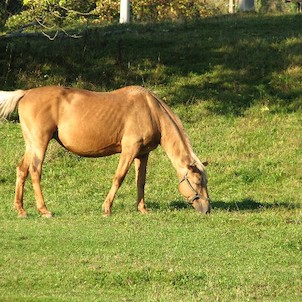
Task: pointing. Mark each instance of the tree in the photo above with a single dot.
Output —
(269, 6)
(9, 7)
(49, 15)
(246, 5)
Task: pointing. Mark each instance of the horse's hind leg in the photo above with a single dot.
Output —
(22, 172)
(140, 170)
(31, 162)
(35, 170)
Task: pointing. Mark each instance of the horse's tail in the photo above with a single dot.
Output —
(9, 102)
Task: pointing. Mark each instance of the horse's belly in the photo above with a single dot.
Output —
(90, 144)
(93, 151)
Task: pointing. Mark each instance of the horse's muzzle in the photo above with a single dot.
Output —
(202, 205)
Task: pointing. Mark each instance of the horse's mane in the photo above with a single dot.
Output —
(178, 124)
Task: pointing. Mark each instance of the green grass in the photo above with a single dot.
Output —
(168, 255)
(236, 85)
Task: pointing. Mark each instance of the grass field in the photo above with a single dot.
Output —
(236, 83)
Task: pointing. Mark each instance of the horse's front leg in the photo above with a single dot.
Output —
(140, 171)
(126, 159)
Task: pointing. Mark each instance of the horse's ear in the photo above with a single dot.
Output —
(191, 165)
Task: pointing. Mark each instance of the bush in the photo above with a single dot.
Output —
(273, 6)
(60, 12)
(9, 8)
(155, 10)
(67, 12)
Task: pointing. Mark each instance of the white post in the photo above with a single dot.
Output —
(125, 11)
(231, 6)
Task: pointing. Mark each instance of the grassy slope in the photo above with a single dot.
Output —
(236, 84)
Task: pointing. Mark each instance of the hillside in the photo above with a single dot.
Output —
(230, 62)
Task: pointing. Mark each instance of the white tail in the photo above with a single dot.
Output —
(9, 102)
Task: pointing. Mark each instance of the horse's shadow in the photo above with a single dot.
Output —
(246, 204)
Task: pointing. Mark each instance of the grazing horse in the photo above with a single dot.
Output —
(131, 121)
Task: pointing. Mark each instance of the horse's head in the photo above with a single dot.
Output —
(193, 186)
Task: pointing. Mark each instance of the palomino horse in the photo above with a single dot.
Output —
(131, 121)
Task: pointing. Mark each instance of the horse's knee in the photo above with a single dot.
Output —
(117, 181)
(22, 169)
(21, 174)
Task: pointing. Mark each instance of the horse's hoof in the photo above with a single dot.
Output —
(106, 215)
(22, 215)
(143, 211)
(47, 215)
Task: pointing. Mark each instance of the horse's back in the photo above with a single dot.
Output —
(57, 98)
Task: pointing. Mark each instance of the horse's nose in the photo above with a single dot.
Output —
(208, 211)
(207, 208)
(202, 205)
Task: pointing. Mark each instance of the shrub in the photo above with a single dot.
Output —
(67, 12)
(60, 12)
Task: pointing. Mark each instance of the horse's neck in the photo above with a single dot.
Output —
(176, 143)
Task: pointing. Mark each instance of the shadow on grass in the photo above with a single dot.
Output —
(231, 61)
(3, 180)
(246, 204)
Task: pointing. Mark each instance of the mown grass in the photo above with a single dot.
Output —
(236, 85)
(165, 256)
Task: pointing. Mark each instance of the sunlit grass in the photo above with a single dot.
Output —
(235, 84)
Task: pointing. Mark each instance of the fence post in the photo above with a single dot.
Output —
(231, 6)
(125, 11)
